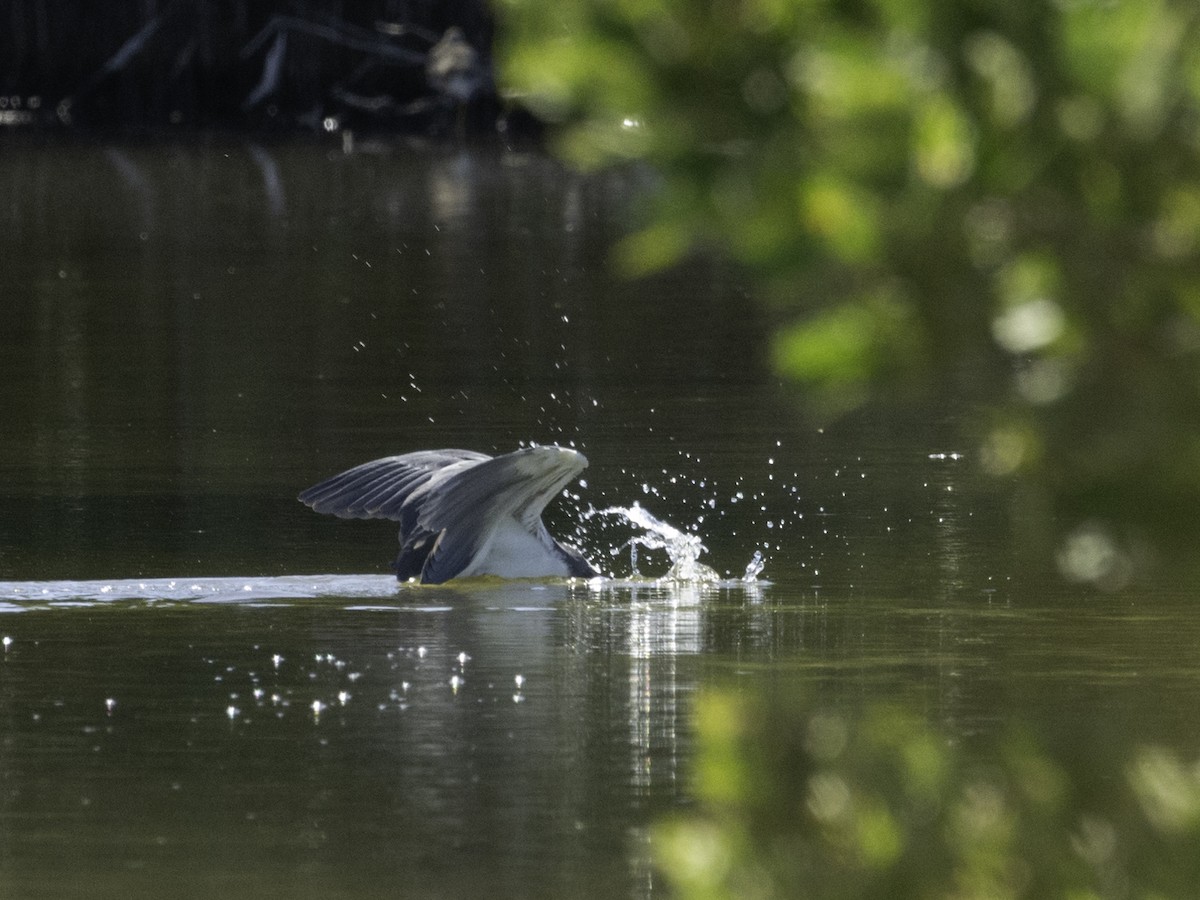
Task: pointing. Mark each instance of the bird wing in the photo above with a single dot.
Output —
(463, 507)
(449, 503)
(379, 489)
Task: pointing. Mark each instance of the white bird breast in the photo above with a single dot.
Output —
(513, 551)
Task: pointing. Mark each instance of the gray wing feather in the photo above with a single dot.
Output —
(450, 558)
(380, 488)
(448, 502)
(519, 484)
(466, 504)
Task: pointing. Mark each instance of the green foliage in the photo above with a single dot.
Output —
(800, 802)
(1002, 197)
(788, 129)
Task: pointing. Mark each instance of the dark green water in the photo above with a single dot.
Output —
(192, 333)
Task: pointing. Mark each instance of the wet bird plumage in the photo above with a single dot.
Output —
(462, 513)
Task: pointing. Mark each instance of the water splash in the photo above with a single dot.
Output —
(755, 567)
(682, 548)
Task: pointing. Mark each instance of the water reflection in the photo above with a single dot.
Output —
(379, 730)
(272, 180)
(365, 736)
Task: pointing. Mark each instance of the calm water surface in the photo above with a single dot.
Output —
(207, 688)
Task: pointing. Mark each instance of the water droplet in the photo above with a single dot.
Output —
(755, 567)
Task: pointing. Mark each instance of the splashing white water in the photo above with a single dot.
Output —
(682, 549)
(755, 567)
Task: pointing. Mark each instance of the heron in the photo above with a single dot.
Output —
(462, 513)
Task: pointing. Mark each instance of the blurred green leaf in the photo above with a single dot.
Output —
(943, 143)
(846, 349)
(994, 201)
(876, 802)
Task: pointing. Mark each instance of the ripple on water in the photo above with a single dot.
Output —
(367, 593)
(17, 596)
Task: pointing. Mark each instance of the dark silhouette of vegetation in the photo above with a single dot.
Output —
(409, 67)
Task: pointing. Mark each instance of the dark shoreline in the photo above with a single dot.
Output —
(229, 65)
